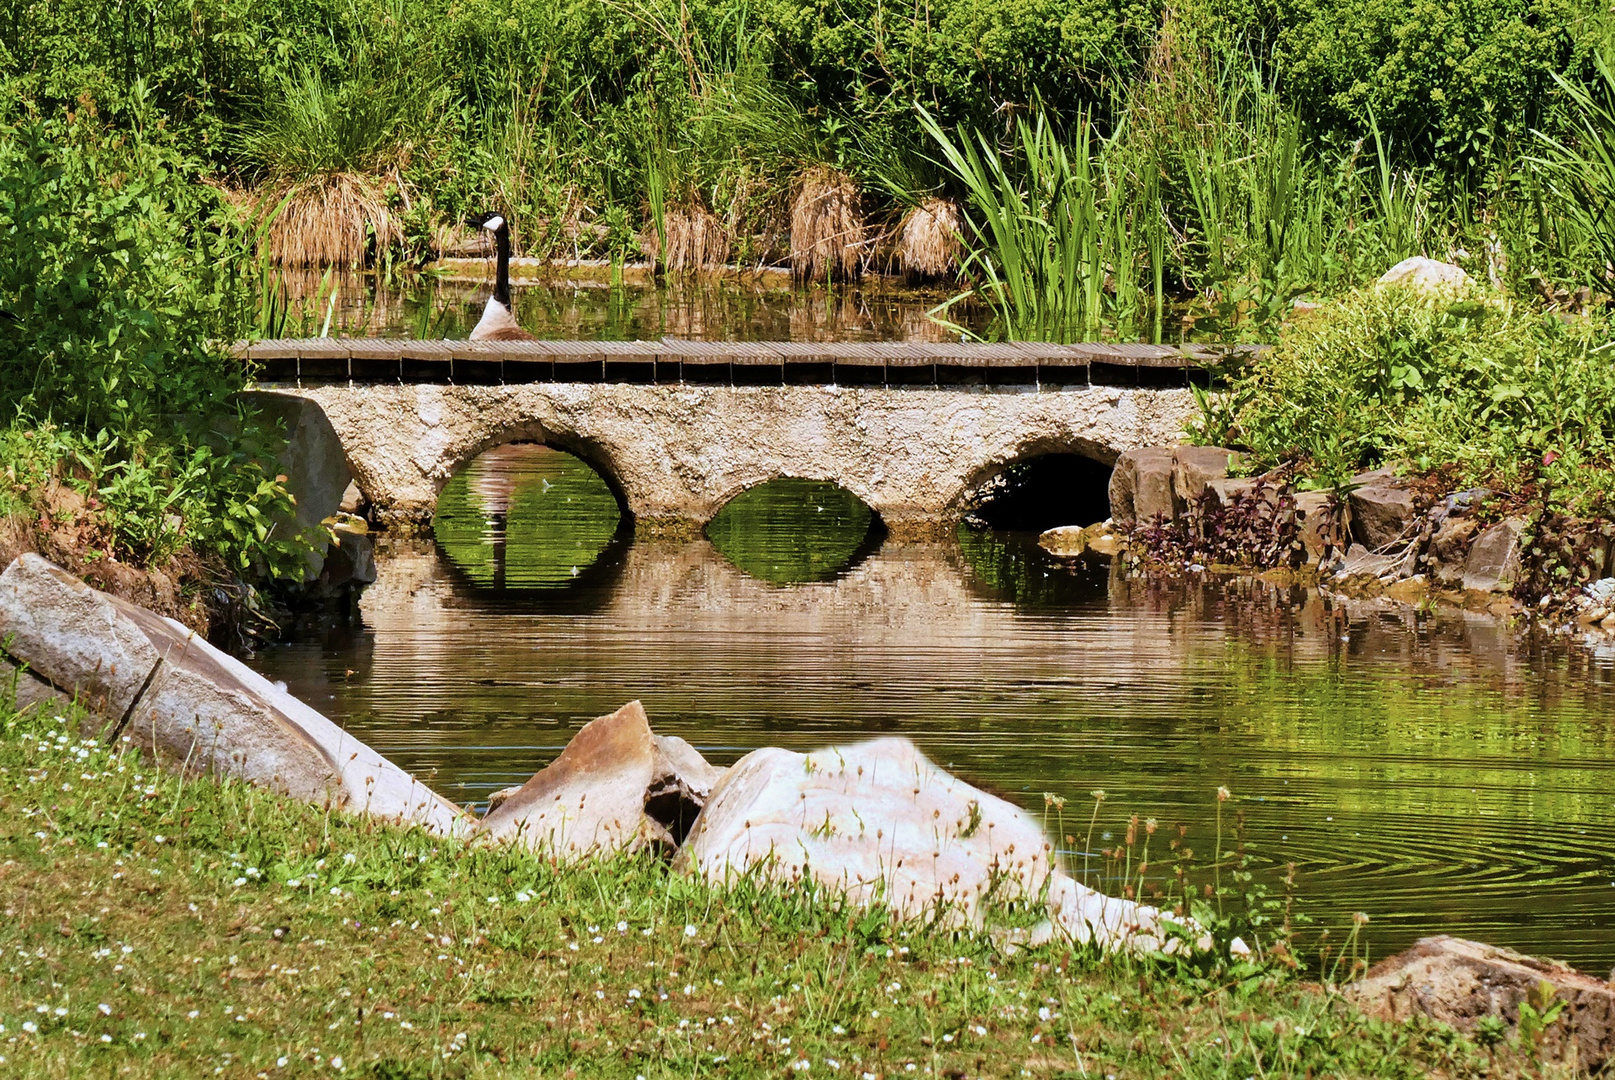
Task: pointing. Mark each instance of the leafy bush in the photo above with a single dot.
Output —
(123, 281)
(1391, 375)
(1445, 78)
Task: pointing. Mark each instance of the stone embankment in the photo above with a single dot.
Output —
(1176, 508)
(874, 821)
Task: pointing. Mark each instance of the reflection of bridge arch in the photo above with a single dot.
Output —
(679, 452)
(594, 457)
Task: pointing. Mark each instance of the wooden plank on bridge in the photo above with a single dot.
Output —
(913, 363)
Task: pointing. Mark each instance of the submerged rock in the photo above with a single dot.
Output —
(152, 681)
(1073, 541)
(879, 822)
(1461, 982)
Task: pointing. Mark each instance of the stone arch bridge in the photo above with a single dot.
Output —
(679, 428)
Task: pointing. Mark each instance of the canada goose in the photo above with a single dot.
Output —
(497, 323)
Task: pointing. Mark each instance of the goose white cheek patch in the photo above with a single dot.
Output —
(494, 224)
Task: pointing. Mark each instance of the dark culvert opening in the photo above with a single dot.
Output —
(1042, 493)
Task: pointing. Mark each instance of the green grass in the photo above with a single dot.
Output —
(155, 927)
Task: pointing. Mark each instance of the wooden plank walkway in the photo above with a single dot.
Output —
(323, 361)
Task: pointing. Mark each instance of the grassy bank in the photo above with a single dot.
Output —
(157, 927)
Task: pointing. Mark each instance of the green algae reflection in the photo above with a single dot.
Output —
(789, 531)
(525, 517)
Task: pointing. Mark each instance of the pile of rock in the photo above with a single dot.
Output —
(875, 822)
(1374, 529)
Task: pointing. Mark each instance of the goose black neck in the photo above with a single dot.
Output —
(501, 287)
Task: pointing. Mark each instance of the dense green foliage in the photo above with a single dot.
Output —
(576, 111)
(122, 279)
(157, 927)
(1502, 394)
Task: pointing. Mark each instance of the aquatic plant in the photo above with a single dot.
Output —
(928, 240)
(1034, 235)
(328, 156)
(827, 227)
(1580, 165)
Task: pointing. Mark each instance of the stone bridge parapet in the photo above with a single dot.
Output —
(677, 452)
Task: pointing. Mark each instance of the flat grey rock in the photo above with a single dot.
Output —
(1494, 558)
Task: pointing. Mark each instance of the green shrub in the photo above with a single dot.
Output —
(1388, 375)
(123, 279)
(1445, 78)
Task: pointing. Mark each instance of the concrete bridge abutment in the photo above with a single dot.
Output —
(677, 453)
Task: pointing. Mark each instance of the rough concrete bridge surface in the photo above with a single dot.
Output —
(680, 427)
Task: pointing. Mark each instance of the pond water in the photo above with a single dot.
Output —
(731, 307)
(1425, 770)
(703, 309)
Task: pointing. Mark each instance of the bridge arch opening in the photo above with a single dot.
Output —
(791, 530)
(1040, 491)
(525, 515)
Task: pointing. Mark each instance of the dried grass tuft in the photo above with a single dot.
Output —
(928, 240)
(696, 240)
(335, 220)
(827, 232)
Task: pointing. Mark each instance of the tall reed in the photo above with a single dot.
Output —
(1580, 169)
(1037, 251)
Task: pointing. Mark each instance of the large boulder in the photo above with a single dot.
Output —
(1494, 558)
(589, 800)
(615, 787)
(1141, 486)
(1426, 275)
(1382, 509)
(1461, 982)
(168, 692)
(312, 460)
(879, 823)
(1195, 467)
